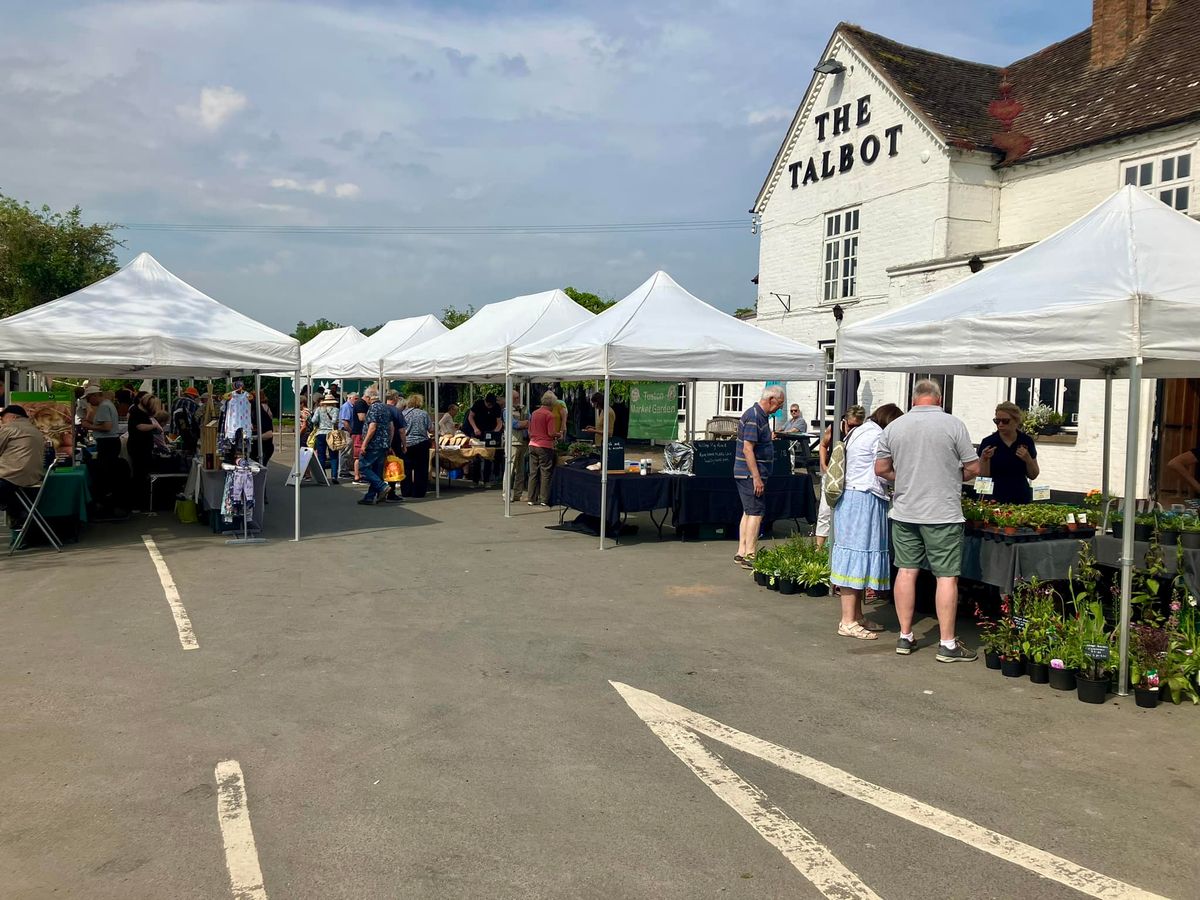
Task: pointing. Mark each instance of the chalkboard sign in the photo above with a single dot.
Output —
(1019, 621)
(1096, 651)
(713, 458)
(616, 449)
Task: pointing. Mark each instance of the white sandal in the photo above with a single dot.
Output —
(854, 630)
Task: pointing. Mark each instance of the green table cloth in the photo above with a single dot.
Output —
(66, 495)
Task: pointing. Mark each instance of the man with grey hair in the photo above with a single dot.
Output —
(753, 456)
(928, 454)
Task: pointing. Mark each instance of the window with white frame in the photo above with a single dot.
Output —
(1169, 178)
(840, 258)
(1060, 394)
(732, 397)
(829, 385)
(681, 399)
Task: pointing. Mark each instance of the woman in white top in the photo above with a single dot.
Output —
(860, 557)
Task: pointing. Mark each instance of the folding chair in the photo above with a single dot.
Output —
(33, 515)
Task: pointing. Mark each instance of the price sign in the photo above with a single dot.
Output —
(1041, 492)
(984, 486)
(1096, 651)
(1020, 621)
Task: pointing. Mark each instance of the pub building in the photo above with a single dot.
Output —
(905, 170)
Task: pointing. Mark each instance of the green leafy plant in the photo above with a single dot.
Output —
(1036, 619)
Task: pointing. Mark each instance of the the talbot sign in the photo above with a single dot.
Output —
(836, 123)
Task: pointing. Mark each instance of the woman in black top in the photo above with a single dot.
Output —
(1009, 457)
(139, 443)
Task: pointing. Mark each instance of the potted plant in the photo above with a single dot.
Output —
(1189, 532)
(789, 567)
(1168, 528)
(1039, 626)
(991, 637)
(1092, 680)
(764, 565)
(814, 570)
(1180, 664)
(1117, 521)
(1147, 655)
(1144, 526)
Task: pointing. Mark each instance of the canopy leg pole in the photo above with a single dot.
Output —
(1106, 459)
(509, 422)
(437, 443)
(720, 388)
(296, 464)
(690, 421)
(258, 398)
(604, 465)
(1131, 476)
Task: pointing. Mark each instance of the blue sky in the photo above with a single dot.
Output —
(446, 113)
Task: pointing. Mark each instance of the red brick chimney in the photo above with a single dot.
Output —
(1116, 24)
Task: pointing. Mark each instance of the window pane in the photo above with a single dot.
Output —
(1183, 166)
(1021, 392)
(1048, 392)
(1145, 174)
(1070, 403)
(1131, 175)
(1168, 169)
(1166, 197)
(1181, 199)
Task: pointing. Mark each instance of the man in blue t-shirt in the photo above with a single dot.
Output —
(753, 456)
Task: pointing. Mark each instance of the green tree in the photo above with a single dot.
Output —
(745, 312)
(593, 303)
(45, 255)
(452, 316)
(305, 332)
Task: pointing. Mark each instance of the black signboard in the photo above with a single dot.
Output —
(713, 458)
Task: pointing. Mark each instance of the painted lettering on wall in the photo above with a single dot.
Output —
(839, 122)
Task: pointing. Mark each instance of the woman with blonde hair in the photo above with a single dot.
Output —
(1008, 456)
(416, 453)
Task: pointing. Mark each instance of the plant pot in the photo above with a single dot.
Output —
(760, 578)
(787, 586)
(1012, 668)
(1147, 698)
(1049, 429)
(817, 590)
(1143, 532)
(1118, 529)
(1039, 673)
(991, 659)
(1190, 540)
(1062, 679)
(1090, 691)
(1168, 538)
(773, 582)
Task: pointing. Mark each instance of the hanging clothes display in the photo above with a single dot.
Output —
(238, 497)
(237, 415)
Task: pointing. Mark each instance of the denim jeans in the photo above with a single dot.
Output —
(328, 459)
(370, 467)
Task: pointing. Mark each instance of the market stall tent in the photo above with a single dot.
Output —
(661, 332)
(1114, 294)
(392, 341)
(144, 322)
(323, 346)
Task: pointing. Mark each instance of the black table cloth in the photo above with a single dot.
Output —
(1108, 553)
(577, 488)
(714, 500)
(1002, 565)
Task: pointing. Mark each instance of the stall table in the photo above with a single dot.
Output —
(574, 487)
(1003, 565)
(1108, 553)
(459, 457)
(64, 503)
(714, 500)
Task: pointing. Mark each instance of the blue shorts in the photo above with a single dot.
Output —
(751, 505)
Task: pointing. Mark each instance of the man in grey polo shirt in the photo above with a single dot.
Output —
(928, 454)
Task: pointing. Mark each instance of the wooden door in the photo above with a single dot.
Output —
(1179, 431)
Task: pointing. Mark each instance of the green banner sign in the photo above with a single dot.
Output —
(654, 410)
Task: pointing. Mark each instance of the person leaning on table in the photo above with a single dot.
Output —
(1187, 466)
(1009, 457)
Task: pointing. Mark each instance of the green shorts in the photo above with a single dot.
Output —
(937, 548)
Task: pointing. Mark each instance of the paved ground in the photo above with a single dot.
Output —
(419, 698)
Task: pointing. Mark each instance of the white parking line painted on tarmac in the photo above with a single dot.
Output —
(233, 812)
(665, 717)
(187, 637)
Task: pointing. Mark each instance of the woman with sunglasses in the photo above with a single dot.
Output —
(1009, 457)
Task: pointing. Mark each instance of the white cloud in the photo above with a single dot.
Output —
(320, 187)
(770, 116)
(216, 106)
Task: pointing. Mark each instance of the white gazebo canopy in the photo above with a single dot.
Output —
(142, 321)
(479, 348)
(393, 341)
(1120, 283)
(661, 332)
(323, 346)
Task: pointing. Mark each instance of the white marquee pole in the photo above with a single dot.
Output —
(437, 442)
(1107, 455)
(296, 440)
(510, 415)
(604, 455)
(1131, 475)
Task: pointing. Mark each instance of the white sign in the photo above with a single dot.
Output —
(309, 465)
(984, 486)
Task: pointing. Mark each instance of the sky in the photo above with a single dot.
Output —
(452, 113)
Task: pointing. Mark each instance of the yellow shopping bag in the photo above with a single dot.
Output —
(393, 470)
